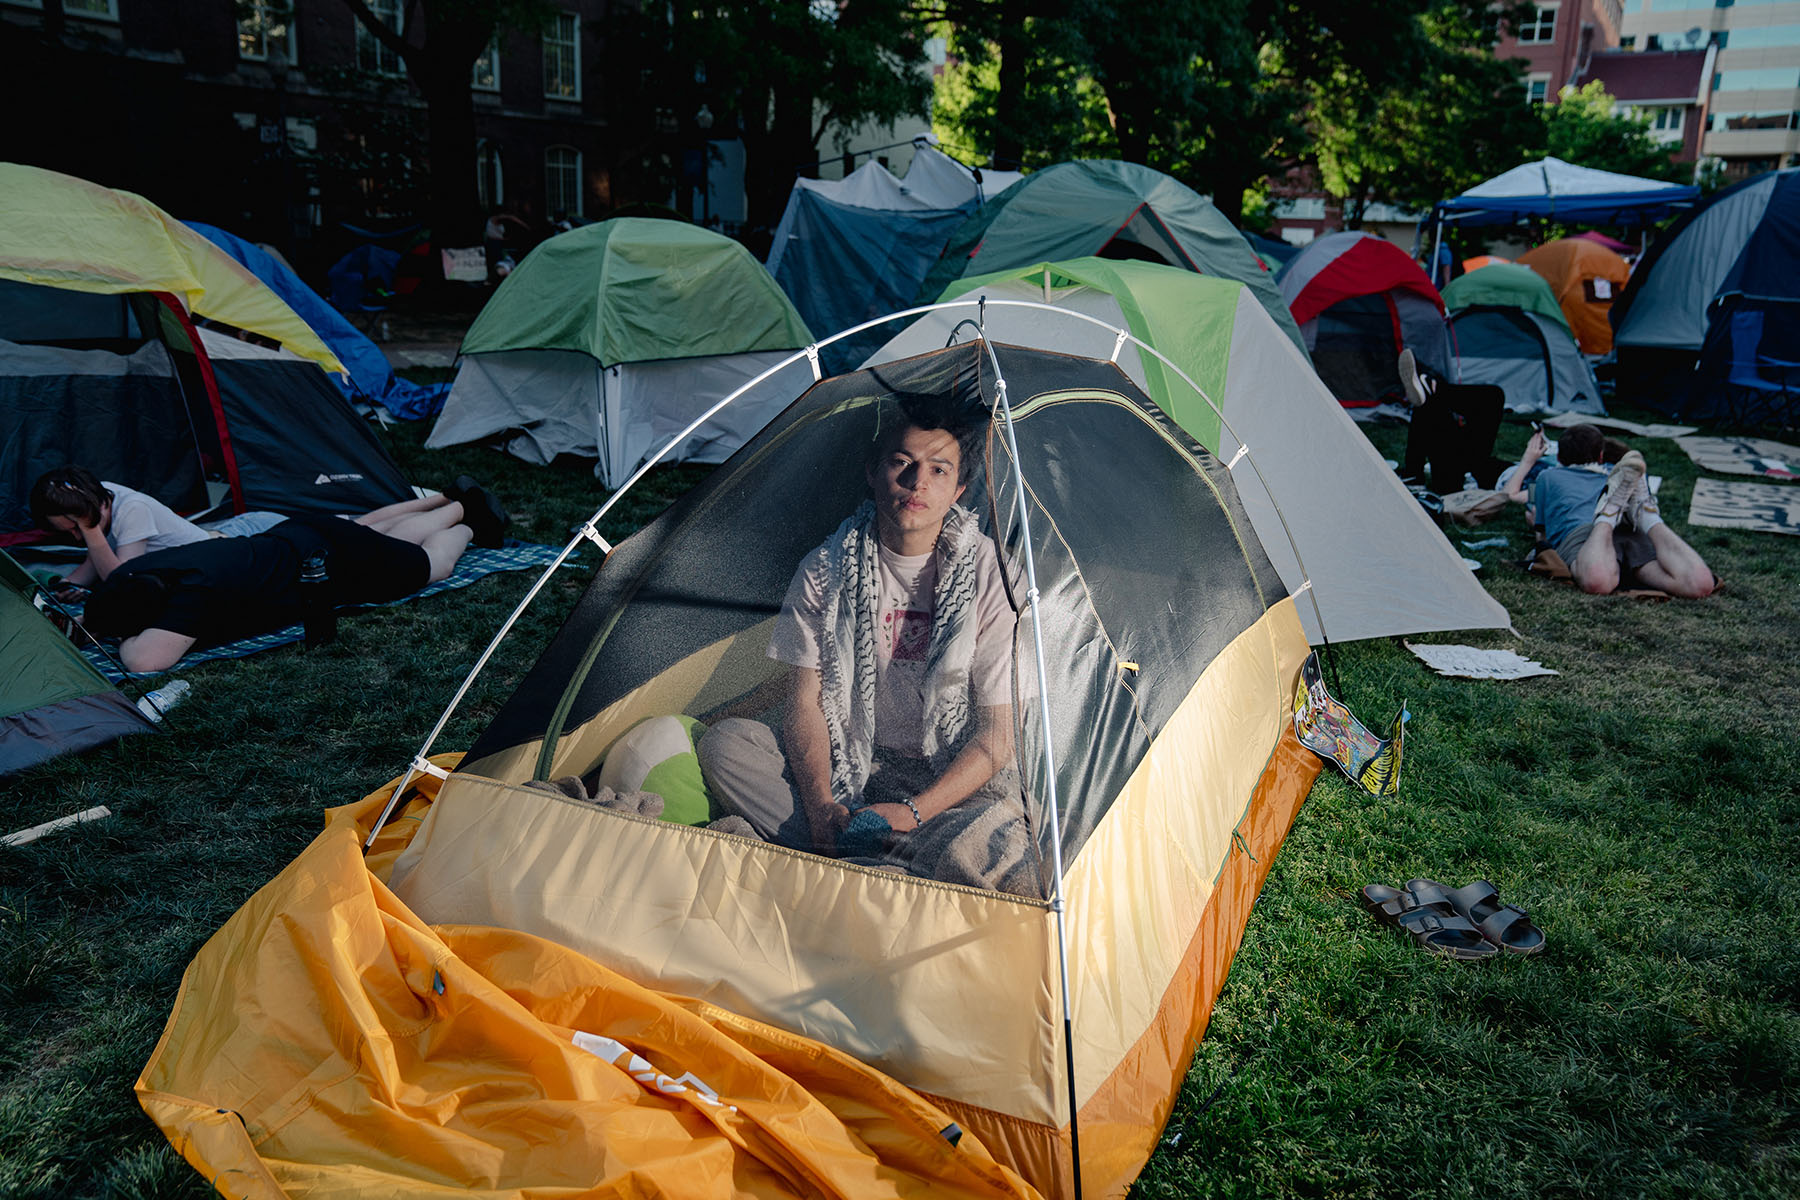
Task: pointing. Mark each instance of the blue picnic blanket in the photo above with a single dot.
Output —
(475, 564)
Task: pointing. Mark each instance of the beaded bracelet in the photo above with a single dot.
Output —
(917, 819)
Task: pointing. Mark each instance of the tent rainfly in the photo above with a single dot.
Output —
(103, 362)
(1157, 774)
(1106, 209)
(1377, 565)
(609, 338)
(1706, 329)
(1510, 332)
(52, 701)
(1360, 300)
(851, 249)
(1586, 277)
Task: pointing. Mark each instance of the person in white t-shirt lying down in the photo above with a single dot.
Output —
(117, 523)
(899, 633)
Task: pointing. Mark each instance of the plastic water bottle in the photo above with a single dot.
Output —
(156, 703)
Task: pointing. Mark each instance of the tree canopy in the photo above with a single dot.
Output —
(1581, 127)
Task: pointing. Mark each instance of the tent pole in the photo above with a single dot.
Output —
(811, 353)
(1437, 249)
(1043, 683)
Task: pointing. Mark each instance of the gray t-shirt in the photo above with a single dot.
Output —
(1564, 498)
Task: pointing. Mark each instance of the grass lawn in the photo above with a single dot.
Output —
(1642, 805)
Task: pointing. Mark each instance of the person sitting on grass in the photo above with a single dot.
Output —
(166, 602)
(899, 635)
(117, 523)
(1606, 524)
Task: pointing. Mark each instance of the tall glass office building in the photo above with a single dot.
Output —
(1752, 101)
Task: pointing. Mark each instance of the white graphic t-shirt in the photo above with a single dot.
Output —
(904, 610)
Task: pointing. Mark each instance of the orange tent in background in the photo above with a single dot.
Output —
(1585, 276)
(1480, 261)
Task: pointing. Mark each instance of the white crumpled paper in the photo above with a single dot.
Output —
(1467, 662)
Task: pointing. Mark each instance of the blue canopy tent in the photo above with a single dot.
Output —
(371, 376)
(1553, 190)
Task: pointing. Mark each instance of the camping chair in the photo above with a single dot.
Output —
(1759, 390)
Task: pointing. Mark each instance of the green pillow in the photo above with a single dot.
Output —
(657, 755)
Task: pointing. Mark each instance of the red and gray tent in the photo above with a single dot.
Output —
(1360, 300)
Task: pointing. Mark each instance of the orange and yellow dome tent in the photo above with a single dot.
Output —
(519, 993)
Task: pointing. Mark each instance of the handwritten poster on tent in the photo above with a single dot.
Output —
(1330, 730)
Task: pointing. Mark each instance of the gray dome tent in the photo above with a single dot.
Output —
(1509, 331)
(1109, 210)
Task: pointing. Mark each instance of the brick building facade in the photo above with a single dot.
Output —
(186, 102)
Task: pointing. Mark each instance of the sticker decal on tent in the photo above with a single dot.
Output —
(1329, 729)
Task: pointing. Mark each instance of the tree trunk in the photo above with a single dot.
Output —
(1229, 183)
(774, 154)
(1008, 151)
(454, 208)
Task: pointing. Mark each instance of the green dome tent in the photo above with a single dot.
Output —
(1111, 209)
(51, 700)
(1511, 285)
(1508, 330)
(609, 339)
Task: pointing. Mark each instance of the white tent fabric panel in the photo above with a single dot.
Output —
(1378, 565)
(1032, 327)
(942, 182)
(548, 397)
(1670, 308)
(560, 402)
(647, 403)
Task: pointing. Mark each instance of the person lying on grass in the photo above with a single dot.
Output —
(218, 590)
(899, 633)
(117, 523)
(1605, 524)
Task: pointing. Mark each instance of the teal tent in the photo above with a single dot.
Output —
(51, 700)
(1510, 285)
(1107, 209)
(610, 339)
(1508, 330)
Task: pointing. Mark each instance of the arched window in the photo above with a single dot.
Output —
(562, 181)
(490, 182)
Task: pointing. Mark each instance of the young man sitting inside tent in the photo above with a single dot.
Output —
(218, 590)
(897, 744)
(1605, 524)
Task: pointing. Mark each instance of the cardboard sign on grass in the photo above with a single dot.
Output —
(1765, 507)
(1743, 456)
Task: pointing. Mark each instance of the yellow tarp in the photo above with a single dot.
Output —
(64, 232)
(325, 1042)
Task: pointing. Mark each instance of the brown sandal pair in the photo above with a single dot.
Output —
(1464, 923)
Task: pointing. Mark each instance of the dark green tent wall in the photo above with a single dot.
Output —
(51, 701)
